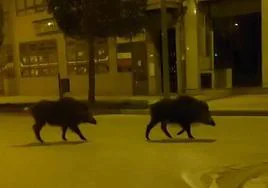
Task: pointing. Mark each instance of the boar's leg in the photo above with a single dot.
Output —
(164, 129)
(149, 128)
(75, 129)
(187, 127)
(37, 129)
(64, 129)
(181, 131)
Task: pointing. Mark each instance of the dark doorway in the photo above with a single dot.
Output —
(172, 61)
(140, 69)
(206, 81)
(237, 42)
(135, 63)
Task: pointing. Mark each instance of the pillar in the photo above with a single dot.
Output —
(62, 58)
(15, 86)
(179, 55)
(191, 44)
(264, 10)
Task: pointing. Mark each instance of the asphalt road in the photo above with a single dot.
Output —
(117, 155)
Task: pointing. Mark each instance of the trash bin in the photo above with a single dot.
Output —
(64, 86)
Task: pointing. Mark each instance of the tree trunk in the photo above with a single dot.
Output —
(91, 71)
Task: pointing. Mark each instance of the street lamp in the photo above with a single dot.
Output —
(164, 38)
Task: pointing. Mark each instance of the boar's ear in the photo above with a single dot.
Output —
(205, 105)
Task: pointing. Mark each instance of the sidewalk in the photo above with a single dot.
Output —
(114, 99)
(240, 105)
(243, 105)
(241, 102)
(220, 104)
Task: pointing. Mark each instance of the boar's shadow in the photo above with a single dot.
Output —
(183, 140)
(47, 144)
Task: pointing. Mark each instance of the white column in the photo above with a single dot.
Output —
(191, 42)
(61, 47)
(179, 51)
(15, 45)
(264, 10)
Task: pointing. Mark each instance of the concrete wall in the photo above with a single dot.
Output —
(106, 84)
(9, 89)
(44, 86)
(223, 78)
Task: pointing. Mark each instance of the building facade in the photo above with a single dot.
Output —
(35, 52)
(40, 52)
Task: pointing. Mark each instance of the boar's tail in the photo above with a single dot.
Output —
(27, 108)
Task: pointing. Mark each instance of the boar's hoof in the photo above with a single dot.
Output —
(84, 139)
(147, 138)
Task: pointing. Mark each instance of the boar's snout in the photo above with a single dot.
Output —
(92, 120)
(212, 122)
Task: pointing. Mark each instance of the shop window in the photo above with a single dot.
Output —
(101, 56)
(77, 56)
(6, 61)
(46, 26)
(124, 62)
(25, 7)
(39, 58)
(124, 58)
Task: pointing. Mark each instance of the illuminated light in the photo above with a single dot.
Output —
(49, 23)
(194, 11)
(80, 53)
(236, 24)
(216, 55)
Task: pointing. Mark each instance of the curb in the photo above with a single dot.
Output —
(213, 112)
(239, 112)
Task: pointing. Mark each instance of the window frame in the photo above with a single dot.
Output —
(26, 10)
(78, 66)
(40, 59)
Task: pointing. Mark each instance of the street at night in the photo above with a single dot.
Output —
(117, 154)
